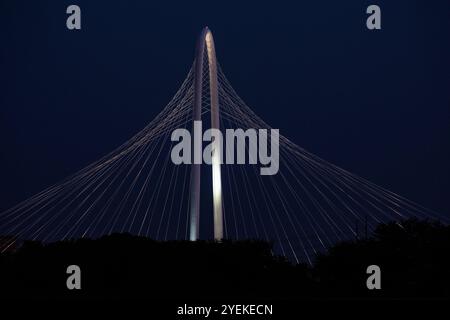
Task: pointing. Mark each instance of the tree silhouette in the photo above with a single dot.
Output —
(413, 257)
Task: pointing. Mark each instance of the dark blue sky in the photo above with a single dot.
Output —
(376, 103)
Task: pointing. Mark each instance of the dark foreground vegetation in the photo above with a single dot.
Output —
(414, 259)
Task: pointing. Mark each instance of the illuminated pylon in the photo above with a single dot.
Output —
(206, 38)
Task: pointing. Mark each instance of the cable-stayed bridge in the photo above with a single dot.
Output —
(309, 205)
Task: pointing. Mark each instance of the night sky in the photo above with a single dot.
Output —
(376, 103)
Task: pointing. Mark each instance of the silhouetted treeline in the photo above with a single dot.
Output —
(414, 258)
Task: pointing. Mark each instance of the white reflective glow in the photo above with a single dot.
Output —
(217, 192)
